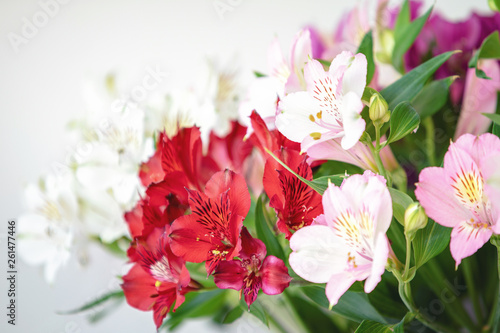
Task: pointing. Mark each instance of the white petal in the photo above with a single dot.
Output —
(317, 253)
(337, 286)
(381, 252)
(293, 120)
(354, 125)
(355, 75)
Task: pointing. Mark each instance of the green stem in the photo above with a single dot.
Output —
(430, 147)
(494, 320)
(408, 257)
(469, 280)
(376, 153)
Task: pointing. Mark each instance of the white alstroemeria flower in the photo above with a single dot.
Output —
(331, 106)
(46, 231)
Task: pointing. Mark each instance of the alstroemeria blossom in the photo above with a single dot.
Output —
(211, 232)
(348, 243)
(295, 203)
(158, 279)
(331, 106)
(253, 272)
(454, 196)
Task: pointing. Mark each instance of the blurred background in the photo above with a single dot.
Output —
(41, 84)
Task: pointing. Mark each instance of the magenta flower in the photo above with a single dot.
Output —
(454, 196)
(253, 272)
(331, 106)
(348, 242)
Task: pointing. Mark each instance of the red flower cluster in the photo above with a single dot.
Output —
(194, 209)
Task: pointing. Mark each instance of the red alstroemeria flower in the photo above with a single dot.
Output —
(159, 278)
(295, 203)
(253, 272)
(211, 231)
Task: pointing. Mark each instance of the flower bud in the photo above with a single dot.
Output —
(379, 109)
(415, 218)
(386, 38)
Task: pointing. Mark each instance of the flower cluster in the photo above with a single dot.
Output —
(305, 188)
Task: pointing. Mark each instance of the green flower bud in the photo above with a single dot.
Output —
(379, 109)
(386, 38)
(415, 219)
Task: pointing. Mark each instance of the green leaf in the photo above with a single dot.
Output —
(366, 47)
(265, 234)
(325, 63)
(353, 306)
(405, 36)
(493, 116)
(109, 296)
(197, 304)
(400, 201)
(429, 242)
(404, 120)
(496, 129)
(432, 97)
(368, 326)
(408, 86)
(232, 315)
(489, 49)
(403, 19)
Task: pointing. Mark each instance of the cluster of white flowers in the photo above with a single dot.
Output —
(85, 199)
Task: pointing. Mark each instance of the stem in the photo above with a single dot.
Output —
(494, 320)
(408, 257)
(376, 153)
(469, 280)
(430, 147)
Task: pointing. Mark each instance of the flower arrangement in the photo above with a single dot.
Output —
(354, 187)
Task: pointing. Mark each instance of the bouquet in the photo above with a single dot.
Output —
(354, 187)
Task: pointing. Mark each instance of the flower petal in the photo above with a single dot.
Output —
(354, 124)
(381, 253)
(466, 239)
(317, 253)
(434, 194)
(275, 276)
(293, 120)
(337, 285)
(230, 275)
(239, 197)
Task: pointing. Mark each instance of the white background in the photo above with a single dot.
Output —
(40, 90)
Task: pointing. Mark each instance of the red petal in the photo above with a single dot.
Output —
(189, 240)
(275, 276)
(151, 171)
(238, 191)
(262, 137)
(163, 305)
(138, 287)
(230, 275)
(134, 220)
(230, 151)
(250, 245)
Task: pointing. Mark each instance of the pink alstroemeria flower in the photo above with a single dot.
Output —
(455, 197)
(348, 242)
(331, 106)
(253, 272)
